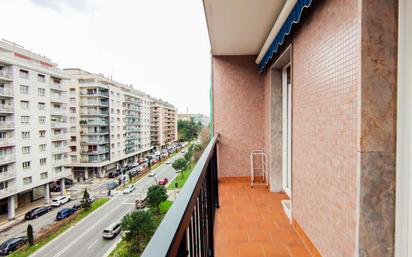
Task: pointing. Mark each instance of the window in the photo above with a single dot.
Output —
(26, 165)
(24, 89)
(24, 74)
(43, 175)
(26, 180)
(41, 78)
(42, 133)
(73, 129)
(3, 185)
(24, 105)
(72, 109)
(72, 120)
(43, 161)
(25, 134)
(42, 92)
(73, 158)
(42, 106)
(73, 100)
(25, 149)
(42, 119)
(25, 119)
(72, 91)
(42, 147)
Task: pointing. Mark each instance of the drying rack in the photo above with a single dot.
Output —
(258, 167)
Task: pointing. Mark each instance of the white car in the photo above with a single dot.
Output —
(168, 162)
(129, 189)
(111, 231)
(152, 174)
(60, 200)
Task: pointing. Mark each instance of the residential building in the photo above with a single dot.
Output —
(163, 122)
(196, 117)
(323, 89)
(110, 124)
(33, 127)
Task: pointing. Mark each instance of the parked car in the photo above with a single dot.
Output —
(36, 212)
(112, 230)
(154, 161)
(152, 174)
(60, 200)
(140, 203)
(168, 162)
(129, 189)
(112, 185)
(77, 206)
(12, 245)
(65, 213)
(163, 181)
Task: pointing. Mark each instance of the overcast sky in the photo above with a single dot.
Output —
(159, 46)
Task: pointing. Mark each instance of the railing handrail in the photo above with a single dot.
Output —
(166, 240)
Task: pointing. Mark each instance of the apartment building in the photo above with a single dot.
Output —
(33, 127)
(163, 122)
(109, 124)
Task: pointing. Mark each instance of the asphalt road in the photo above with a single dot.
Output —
(85, 238)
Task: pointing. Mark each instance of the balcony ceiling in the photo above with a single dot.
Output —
(240, 27)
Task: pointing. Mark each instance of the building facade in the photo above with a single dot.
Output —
(110, 124)
(33, 127)
(163, 120)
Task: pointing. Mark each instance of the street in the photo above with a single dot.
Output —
(84, 239)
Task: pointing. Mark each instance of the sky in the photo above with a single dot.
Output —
(159, 46)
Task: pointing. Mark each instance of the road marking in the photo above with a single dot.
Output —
(90, 246)
(107, 253)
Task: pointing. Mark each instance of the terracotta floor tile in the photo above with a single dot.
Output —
(259, 237)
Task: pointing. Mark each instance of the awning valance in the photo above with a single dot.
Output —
(293, 17)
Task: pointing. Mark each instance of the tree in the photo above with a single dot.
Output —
(30, 238)
(86, 200)
(188, 155)
(188, 130)
(180, 164)
(155, 196)
(140, 227)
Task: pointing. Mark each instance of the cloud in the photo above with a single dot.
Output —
(57, 5)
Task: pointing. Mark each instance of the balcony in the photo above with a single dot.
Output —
(97, 151)
(60, 149)
(94, 113)
(94, 132)
(94, 122)
(7, 158)
(6, 91)
(95, 142)
(58, 137)
(58, 98)
(6, 76)
(7, 142)
(58, 111)
(6, 108)
(7, 175)
(6, 125)
(99, 94)
(93, 102)
(57, 86)
(58, 124)
(60, 162)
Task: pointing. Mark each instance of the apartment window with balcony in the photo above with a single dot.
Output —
(58, 169)
(42, 119)
(72, 109)
(25, 119)
(24, 74)
(72, 120)
(42, 106)
(3, 185)
(73, 139)
(41, 78)
(27, 180)
(25, 150)
(25, 134)
(72, 100)
(26, 165)
(73, 158)
(73, 129)
(24, 89)
(24, 105)
(42, 147)
(41, 91)
(43, 175)
(43, 161)
(42, 133)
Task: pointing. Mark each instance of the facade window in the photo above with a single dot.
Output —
(26, 165)
(3, 185)
(72, 120)
(73, 139)
(43, 175)
(25, 119)
(3, 169)
(72, 91)
(42, 133)
(41, 78)
(26, 180)
(73, 129)
(25, 134)
(25, 149)
(42, 147)
(42, 92)
(24, 105)
(24, 74)
(42, 119)
(24, 89)
(73, 100)
(73, 158)
(43, 161)
(42, 106)
(72, 109)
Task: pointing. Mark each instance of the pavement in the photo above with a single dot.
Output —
(84, 239)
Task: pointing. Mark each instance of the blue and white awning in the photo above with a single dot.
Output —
(293, 17)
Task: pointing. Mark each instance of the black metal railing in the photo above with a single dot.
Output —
(187, 229)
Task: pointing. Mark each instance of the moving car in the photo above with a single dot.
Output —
(112, 230)
(168, 162)
(163, 181)
(152, 174)
(12, 245)
(60, 200)
(129, 189)
(112, 185)
(36, 212)
(65, 213)
(140, 203)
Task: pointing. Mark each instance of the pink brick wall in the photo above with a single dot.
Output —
(238, 112)
(325, 134)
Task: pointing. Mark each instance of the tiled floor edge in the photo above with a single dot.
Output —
(305, 239)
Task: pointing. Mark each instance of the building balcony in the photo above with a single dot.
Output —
(60, 162)
(6, 108)
(95, 94)
(94, 142)
(61, 149)
(8, 191)
(94, 113)
(6, 75)
(7, 142)
(93, 102)
(8, 158)
(58, 124)
(58, 111)
(9, 174)
(97, 151)
(58, 98)
(57, 86)
(6, 92)
(58, 137)
(94, 122)
(6, 125)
